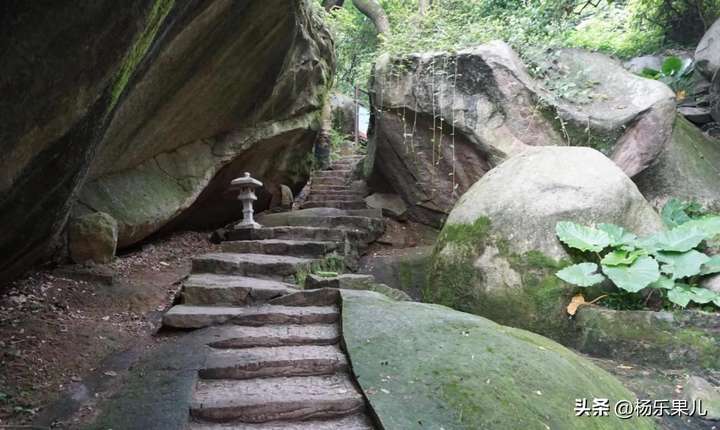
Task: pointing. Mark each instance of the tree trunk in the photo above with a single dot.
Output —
(331, 4)
(373, 10)
(424, 6)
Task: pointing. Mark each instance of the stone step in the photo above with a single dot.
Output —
(375, 226)
(321, 187)
(296, 248)
(187, 316)
(337, 182)
(334, 173)
(353, 422)
(278, 267)
(276, 335)
(288, 233)
(338, 197)
(214, 289)
(270, 399)
(339, 204)
(265, 362)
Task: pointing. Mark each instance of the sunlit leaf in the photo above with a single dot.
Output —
(635, 277)
(711, 266)
(680, 295)
(618, 258)
(682, 265)
(618, 235)
(680, 239)
(580, 237)
(663, 283)
(582, 275)
(702, 295)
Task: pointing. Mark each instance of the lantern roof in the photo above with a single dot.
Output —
(246, 181)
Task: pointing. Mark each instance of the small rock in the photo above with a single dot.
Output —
(697, 115)
(286, 200)
(93, 238)
(698, 389)
(392, 205)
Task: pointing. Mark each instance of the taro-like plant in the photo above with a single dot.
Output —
(670, 261)
(675, 73)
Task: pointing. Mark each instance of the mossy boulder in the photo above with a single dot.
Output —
(498, 253)
(92, 238)
(428, 366)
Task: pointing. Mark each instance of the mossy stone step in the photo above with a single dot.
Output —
(322, 187)
(186, 316)
(289, 233)
(337, 197)
(276, 335)
(270, 399)
(354, 422)
(329, 181)
(264, 362)
(278, 267)
(297, 248)
(339, 173)
(339, 204)
(214, 289)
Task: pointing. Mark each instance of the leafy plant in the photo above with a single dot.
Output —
(670, 261)
(675, 72)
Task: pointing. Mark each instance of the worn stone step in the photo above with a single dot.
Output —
(276, 335)
(187, 316)
(374, 226)
(214, 289)
(334, 173)
(339, 204)
(264, 362)
(322, 187)
(289, 233)
(329, 181)
(339, 197)
(278, 267)
(297, 248)
(271, 399)
(353, 422)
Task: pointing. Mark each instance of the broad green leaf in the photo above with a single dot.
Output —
(671, 66)
(582, 275)
(680, 239)
(618, 258)
(618, 235)
(643, 272)
(663, 283)
(710, 225)
(682, 265)
(680, 295)
(580, 237)
(711, 266)
(702, 295)
(673, 213)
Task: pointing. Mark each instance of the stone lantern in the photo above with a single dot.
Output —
(246, 187)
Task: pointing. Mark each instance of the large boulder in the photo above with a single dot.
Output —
(498, 253)
(92, 238)
(442, 120)
(427, 366)
(707, 53)
(146, 112)
(687, 168)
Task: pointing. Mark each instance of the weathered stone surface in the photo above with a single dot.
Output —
(698, 389)
(687, 169)
(406, 269)
(355, 422)
(182, 316)
(269, 399)
(638, 64)
(150, 110)
(286, 197)
(264, 362)
(276, 335)
(443, 120)
(324, 218)
(316, 297)
(92, 238)
(344, 116)
(498, 253)
(212, 289)
(392, 205)
(697, 115)
(707, 53)
(351, 281)
(468, 372)
(277, 267)
(296, 248)
(671, 340)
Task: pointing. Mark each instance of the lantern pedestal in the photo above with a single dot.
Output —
(246, 187)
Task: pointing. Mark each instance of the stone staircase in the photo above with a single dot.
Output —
(276, 361)
(331, 188)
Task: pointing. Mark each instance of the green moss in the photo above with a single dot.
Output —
(576, 134)
(157, 15)
(329, 263)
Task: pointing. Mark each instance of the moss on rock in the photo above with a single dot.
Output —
(427, 366)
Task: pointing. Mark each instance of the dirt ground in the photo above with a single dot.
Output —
(58, 325)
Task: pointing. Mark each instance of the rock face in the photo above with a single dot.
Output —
(466, 371)
(498, 253)
(148, 112)
(92, 238)
(441, 121)
(707, 54)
